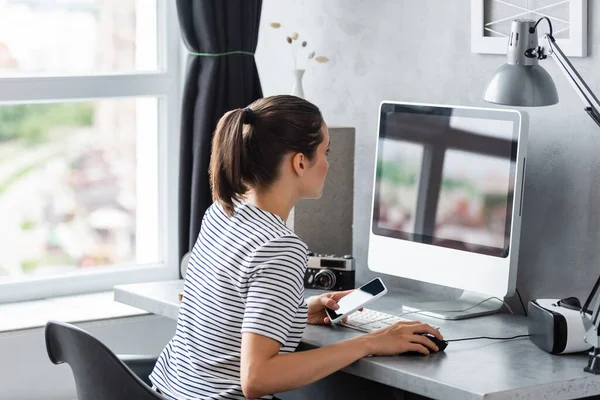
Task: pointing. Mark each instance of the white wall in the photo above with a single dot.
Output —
(26, 373)
(420, 51)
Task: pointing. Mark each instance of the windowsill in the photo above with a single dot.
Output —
(71, 309)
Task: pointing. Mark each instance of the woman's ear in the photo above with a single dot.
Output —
(299, 163)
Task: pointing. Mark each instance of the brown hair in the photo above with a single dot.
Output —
(249, 144)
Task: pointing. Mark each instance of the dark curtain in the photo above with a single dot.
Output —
(213, 86)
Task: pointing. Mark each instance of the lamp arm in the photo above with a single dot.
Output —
(583, 90)
(592, 325)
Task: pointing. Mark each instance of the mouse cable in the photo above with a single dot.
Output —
(487, 337)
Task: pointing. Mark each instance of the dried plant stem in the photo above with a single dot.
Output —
(294, 55)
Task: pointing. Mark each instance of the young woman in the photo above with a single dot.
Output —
(243, 310)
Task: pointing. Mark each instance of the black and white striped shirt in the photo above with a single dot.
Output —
(245, 274)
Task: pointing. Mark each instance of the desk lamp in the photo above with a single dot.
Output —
(522, 82)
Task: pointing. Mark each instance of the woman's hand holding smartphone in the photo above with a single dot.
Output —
(317, 305)
(356, 299)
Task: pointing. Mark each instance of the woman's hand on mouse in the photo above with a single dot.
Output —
(401, 338)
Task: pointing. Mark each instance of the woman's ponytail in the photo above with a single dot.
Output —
(249, 145)
(227, 160)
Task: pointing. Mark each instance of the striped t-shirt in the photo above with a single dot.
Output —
(245, 274)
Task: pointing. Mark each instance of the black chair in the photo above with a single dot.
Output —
(99, 374)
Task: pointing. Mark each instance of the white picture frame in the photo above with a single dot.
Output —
(575, 46)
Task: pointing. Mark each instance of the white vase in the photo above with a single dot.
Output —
(297, 89)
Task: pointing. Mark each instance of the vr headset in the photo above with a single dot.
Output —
(556, 326)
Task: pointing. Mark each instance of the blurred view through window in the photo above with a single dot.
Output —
(78, 179)
(71, 178)
(77, 36)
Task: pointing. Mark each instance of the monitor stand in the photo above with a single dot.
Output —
(468, 305)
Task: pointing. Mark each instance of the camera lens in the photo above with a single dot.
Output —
(325, 279)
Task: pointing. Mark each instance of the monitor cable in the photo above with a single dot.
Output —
(456, 311)
(448, 311)
(522, 304)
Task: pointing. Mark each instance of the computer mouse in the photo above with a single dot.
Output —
(441, 344)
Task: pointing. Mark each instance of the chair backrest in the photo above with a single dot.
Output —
(98, 372)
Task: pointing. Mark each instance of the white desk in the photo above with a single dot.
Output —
(481, 369)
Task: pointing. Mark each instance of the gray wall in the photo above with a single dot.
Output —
(382, 50)
(326, 224)
(26, 373)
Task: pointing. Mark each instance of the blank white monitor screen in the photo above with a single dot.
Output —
(445, 177)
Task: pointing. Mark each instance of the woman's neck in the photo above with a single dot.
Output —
(277, 202)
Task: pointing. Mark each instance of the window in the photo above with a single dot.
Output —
(77, 36)
(89, 102)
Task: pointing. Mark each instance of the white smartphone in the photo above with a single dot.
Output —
(357, 299)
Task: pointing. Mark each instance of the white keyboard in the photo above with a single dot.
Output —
(370, 320)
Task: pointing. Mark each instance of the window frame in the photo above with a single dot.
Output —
(163, 84)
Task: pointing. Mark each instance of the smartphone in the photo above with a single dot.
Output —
(356, 300)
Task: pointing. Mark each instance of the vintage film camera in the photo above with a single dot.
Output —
(329, 272)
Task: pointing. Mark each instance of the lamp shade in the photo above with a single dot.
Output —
(521, 85)
(521, 81)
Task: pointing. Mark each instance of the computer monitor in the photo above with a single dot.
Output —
(447, 200)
